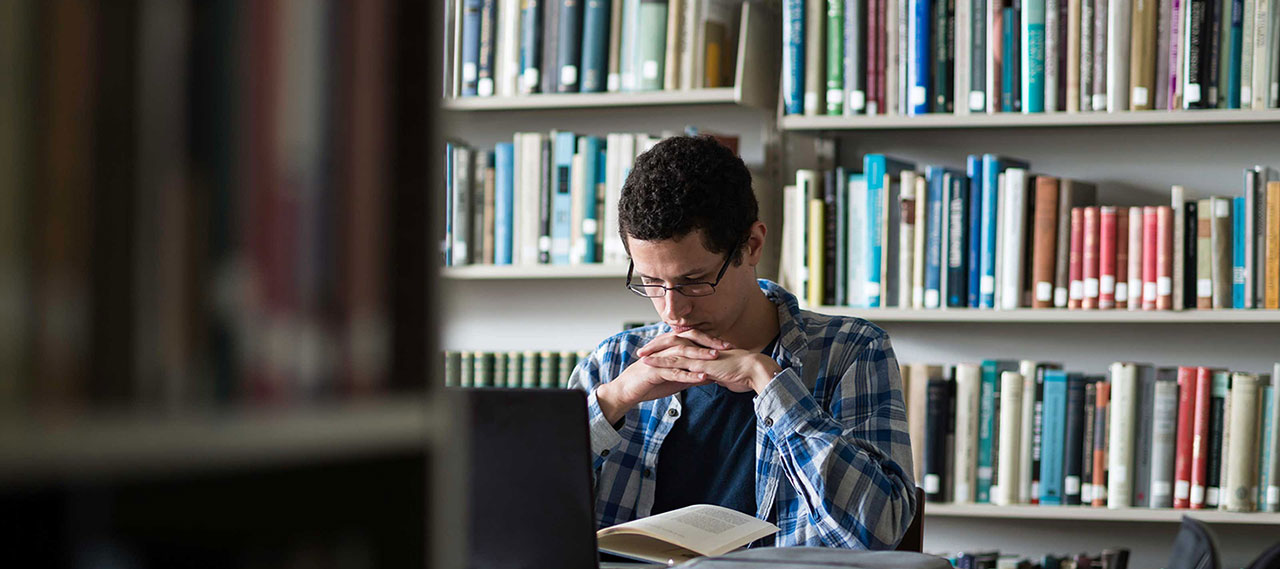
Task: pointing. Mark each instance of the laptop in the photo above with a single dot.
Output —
(530, 497)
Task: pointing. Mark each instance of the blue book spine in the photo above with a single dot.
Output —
(793, 58)
(975, 229)
(992, 167)
(1009, 70)
(530, 47)
(874, 166)
(1234, 47)
(562, 198)
(595, 46)
(957, 270)
(918, 57)
(1053, 437)
(986, 431)
(503, 202)
(471, 10)
(1264, 480)
(570, 45)
(1032, 56)
(1237, 254)
(591, 198)
(934, 178)
(449, 190)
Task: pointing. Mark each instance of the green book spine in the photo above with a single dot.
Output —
(548, 366)
(515, 364)
(529, 370)
(484, 369)
(468, 376)
(986, 427)
(500, 369)
(568, 360)
(835, 57)
(452, 368)
(652, 45)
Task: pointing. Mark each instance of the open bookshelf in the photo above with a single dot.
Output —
(1078, 513)
(1057, 316)
(936, 121)
(521, 272)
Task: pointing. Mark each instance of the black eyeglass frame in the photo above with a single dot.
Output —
(642, 289)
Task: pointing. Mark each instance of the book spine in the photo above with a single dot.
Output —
(815, 49)
(651, 45)
(1204, 254)
(1243, 453)
(986, 432)
(875, 167)
(907, 244)
(1142, 55)
(1027, 431)
(1107, 258)
(1272, 489)
(1032, 57)
(830, 266)
(963, 54)
(1101, 9)
(485, 66)
(1076, 270)
(1164, 258)
(1220, 241)
(1012, 240)
(1101, 444)
(1054, 55)
(793, 63)
(1045, 241)
(1194, 90)
(1122, 258)
(1086, 446)
(1265, 480)
(562, 199)
(933, 246)
(1119, 30)
(1164, 438)
(1161, 84)
(1091, 258)
(1150, 257)
(976, 193)
(1009, 66)
(1010, 438)
(1218, 391)
(1249, 12)
(1055, 434)
(1191, 249)
(1142, 437)
(835, 57)
(596, 23)
(1086, 54)
(1200, 438)
(504, 215)
(471, 30)
(1272, 300)
(978, 40)
(1073, 452)
(1073, 55)
(942, 54)
(855, 57)
(1177, 17)
(1178, 205)
(1235, 51)
(1262, 54)
(936, 421)
(1220, 439)
(546, 199)
(918, 56)
(957, 277)
(968, 392)
(1254, 241)
(530, 47)
(551, 46)
(838, 241)
(613, 79)
(1120, 437)
(990, 200)
(1239, 268)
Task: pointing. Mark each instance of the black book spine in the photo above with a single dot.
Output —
(1086, 444)
(1189, 253)
(958, 244)
(1063, 14)
(1073, 460)
(829, 237)
(1143, 433)
(1213, 478)
(842, 236)
(855, 64)
(935, 442)
(1037, 434)
(569, 53)
(1195, 95)
(544, 203)
(1213, 26)
(1016, 88)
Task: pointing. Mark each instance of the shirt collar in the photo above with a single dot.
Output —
(792, 339)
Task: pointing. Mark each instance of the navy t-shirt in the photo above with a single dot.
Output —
(709, 457)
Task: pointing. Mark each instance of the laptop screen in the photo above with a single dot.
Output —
(530, 479)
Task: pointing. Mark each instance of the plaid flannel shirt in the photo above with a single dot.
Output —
(833, 459)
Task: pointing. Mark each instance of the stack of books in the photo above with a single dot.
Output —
(1028, 432)
(512, 47)
(1000, 236)
(911, 57)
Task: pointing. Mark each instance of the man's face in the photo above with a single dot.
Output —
(686, 260)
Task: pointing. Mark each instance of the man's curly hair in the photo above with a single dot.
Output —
(685, 183)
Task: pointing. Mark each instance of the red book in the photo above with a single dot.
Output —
(1091, 234)
(1076, 259)
(1200, 438)
(1164, 258)
(1100, 443)
(1182, 456)
(1150, 231)
(1107, 258)
(1122, 257)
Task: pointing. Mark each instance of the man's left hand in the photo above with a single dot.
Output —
(737, 370)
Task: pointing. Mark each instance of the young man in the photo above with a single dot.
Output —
(738, 397)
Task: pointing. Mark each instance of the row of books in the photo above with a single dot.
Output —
(911, 57)
(997, 235)
(194, 201)
(517, 47)
(1028, 432)
(1114, 558)
(544, 198)
(545, 369)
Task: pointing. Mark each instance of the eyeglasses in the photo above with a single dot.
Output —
(687, 289)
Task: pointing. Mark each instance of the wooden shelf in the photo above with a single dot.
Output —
(518, 272)
(1081, 513)
(1037, 120)
(1056, 315)
(717, 96)
(130, 444)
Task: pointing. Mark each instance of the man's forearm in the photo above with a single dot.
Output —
(610, 406)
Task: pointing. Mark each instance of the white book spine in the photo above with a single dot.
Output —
(1272, 491)
(1135, 257)
(1012, 242)
(1119, 28)
(518, 204)
(993, 74)
(968, 389)
(963, 56)
(1124, 396)
(1177, 196)
(613, 251)
(1262, 61)
(856, 248)
(1164, 419)
(577, 188)
(1246, 53)
(509, 48)
(1052, 43)
(1002, 184)
(1028, 370)
(1010, 439)
(787, 276)
(1242, 452)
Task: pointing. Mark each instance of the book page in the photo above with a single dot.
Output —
(705, 529)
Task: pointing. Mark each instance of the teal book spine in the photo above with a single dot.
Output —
(1032, 56)
(835, 57)
(562, 198)
(651, 45)
(503, 202)
(595, 46)
(880, 170)
(590, 148)
(1264, 476)
(986, 430)
(1235, 50)
(1054, 437)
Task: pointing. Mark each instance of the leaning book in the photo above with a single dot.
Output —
(683, 534)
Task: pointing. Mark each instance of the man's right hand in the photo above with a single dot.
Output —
(641, 382)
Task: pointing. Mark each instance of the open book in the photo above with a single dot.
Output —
(679, 535)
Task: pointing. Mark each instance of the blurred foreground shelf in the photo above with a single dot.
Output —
(95, 446)
(1081, 513)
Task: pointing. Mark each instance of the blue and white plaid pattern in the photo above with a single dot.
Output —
(832, 452)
